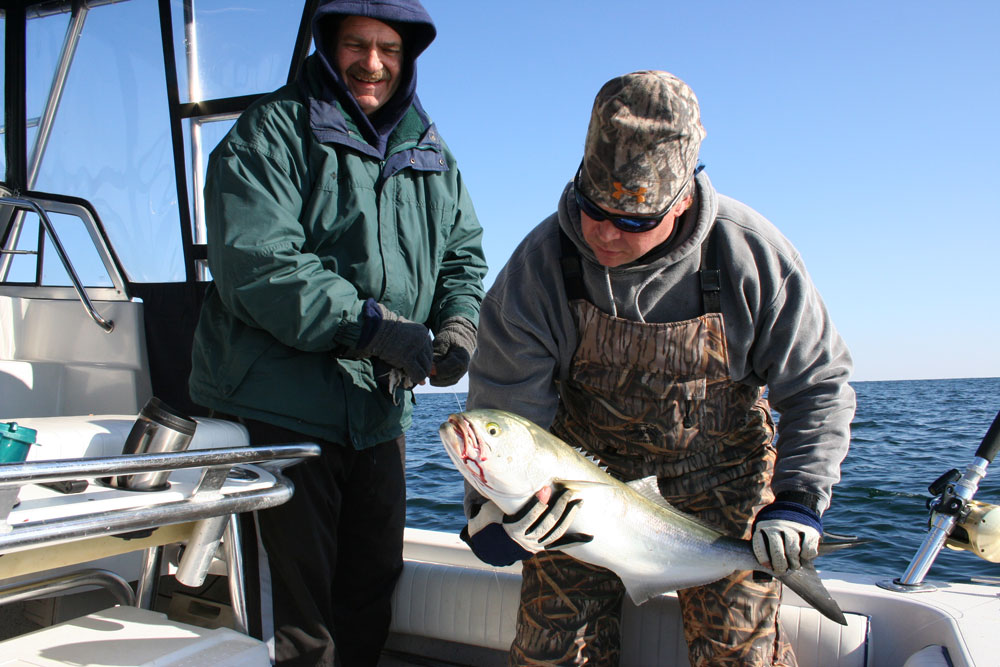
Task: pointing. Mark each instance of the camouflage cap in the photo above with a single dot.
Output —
(642, 143)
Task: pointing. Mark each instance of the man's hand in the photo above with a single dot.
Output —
(453, 347)
(500, 539)
(402, 344)
(487, 538)
(544, 525)
(785, 535)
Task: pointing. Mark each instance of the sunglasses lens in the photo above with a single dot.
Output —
(592, 211)
(624, 223)
(633, 225)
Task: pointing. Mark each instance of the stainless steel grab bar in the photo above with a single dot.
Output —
(106, 579)
(56, 470)
(30, 205)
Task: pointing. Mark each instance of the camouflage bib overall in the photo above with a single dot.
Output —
(656, 399)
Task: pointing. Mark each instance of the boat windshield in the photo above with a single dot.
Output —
(107, 109)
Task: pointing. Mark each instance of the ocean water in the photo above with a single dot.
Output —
(905, 435)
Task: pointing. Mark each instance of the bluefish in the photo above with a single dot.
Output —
(650, 545)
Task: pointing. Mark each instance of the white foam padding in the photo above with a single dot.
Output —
(479, 607)
(459, 604)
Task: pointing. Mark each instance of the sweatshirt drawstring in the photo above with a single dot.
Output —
(611, 294)
(643, 286)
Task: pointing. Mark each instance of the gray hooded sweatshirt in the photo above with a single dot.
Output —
(777, 328)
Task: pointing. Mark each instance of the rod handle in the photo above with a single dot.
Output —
(991, 441)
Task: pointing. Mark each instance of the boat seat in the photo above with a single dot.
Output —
(133, 636)
(54, 360)
(105, 435)
(475, 607)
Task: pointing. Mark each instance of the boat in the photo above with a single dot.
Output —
(108, 530)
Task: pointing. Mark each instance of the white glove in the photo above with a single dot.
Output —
(783, 545)
(538, 526)
(488, 513)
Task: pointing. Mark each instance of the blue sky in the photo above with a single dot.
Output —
(866, 131)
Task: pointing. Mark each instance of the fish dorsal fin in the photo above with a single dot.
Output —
(590, 457)
(649, 488)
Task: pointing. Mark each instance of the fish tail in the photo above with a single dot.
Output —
(832, 542)
(806, 583)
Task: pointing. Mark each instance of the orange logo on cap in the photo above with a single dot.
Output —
(639, 194)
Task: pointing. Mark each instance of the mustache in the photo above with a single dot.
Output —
(358, 72)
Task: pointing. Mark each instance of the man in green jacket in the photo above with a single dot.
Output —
(340, 235)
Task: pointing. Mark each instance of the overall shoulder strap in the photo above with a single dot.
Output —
(711, 278)
(572, 268)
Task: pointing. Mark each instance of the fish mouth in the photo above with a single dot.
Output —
(465, 447)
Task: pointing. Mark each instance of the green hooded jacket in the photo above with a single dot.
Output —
(306, 220)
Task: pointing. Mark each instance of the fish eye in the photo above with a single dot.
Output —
(493, 428)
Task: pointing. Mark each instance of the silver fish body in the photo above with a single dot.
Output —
(650, 545)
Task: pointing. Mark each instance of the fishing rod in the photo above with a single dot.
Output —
(957, 521)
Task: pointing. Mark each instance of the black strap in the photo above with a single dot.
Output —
(711, 276)
(572, 268)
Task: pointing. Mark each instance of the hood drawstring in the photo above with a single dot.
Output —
(644, 285)
(611, 294)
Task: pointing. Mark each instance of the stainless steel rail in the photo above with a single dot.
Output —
(211, 504)
(56, 470)
(31, 205)
(106, 579)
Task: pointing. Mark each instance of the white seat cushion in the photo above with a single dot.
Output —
(133, 636)
(479, 607)
(105, 435)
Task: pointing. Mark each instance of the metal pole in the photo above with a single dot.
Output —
(149, 579)
(234, 565)
(73, 31)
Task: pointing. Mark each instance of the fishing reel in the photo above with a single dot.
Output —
(976, 524)
(957, 521)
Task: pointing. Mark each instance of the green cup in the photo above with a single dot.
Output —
(15, 441)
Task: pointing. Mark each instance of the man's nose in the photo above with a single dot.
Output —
(607, 231)
(371, 61)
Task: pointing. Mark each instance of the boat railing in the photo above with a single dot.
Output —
(37, 516)
(42, 207)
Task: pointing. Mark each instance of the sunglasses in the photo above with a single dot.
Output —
(633, 224)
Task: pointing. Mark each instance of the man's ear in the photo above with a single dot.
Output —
(683, 205)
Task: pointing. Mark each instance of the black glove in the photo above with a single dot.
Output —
(500, 539)
(487, 538)
(453, 346)
(402, 344)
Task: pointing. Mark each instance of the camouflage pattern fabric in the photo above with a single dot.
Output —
(570, 613)
(656, 399)
(642, 142)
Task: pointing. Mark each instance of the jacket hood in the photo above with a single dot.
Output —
(417, 29)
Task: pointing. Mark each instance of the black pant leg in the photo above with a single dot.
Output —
(370, 553)
(331, 555)
(298, 562)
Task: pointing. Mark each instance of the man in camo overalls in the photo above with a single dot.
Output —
(642, 322)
